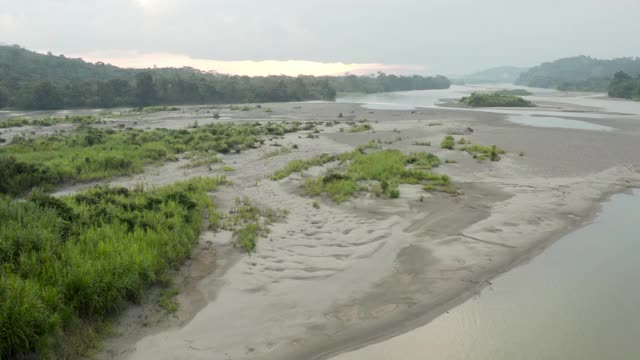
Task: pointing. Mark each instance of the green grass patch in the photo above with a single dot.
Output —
(202, 159)
(298, 166)
(50, 121)
(80, 259)
(92, 153)
(448, 143)
(281, 151)
(378, 173)
(151, 109)
(248, 223)
(168, 300)
(360, 128)
(478, 99)
(372, 144)
(481, 152)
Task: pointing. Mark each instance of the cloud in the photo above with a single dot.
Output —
(9, 24)
(134, 59)
(451, 36)
(158, 7)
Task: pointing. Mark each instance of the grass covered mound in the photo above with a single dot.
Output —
(248, 223)
(92, 153)
(379, 173)
(69, 261)
(479, 152)
(478, 99)
(50, 121)
(482, 152)
(297, 166)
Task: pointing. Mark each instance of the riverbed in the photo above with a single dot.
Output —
(334, 278)
(576, 301)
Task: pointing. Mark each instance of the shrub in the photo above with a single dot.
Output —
(481, 152)
(360, 128)
(379, 172)
(248, 223)
(302, 165)
(118, 243)
(478, 99)
(93, 153)
(448, 143)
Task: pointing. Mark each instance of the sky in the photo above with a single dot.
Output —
(257, 37)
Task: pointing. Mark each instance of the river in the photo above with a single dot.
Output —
(578, 300)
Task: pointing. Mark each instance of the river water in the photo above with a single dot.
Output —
(579, 300)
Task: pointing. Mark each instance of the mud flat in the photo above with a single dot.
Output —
(335, 278)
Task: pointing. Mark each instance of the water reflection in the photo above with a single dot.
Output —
(579, 300)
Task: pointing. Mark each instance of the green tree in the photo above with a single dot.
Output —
(4, 97)
(623, 86)
(40, 95)
(145, 90)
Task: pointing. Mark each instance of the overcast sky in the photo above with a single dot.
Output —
(432, 36)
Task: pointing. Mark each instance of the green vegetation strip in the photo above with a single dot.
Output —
(379, 173)
(248, 223)
(69, 262)
(29, 80)
(50, 121)
(92, 153)
(297, 166)
(478, 99)
(479, 152)
(360, 128)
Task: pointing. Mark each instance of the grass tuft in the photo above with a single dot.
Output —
(80, 259)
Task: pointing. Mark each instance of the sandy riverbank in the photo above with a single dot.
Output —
(335, 278)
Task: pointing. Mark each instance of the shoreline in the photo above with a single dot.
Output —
(438, 310)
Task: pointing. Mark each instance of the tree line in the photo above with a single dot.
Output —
(579, 73)
(624, 86)
(29, 80)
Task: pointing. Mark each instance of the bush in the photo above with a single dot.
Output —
(83, 257)
(378, 172)
(92, 153)
(481, 152)
(495, 100)
(448, 143)
(302, 165)
(361, 128)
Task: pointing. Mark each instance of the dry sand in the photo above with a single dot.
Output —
(336, 278)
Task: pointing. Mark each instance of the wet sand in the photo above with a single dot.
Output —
(339, 277)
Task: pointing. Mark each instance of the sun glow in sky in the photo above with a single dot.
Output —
(245, 67)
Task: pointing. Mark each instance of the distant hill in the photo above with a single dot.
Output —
(578, 73)
(29, 80)
(496, 75)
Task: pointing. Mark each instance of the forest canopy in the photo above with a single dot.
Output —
(29, 80)
(624, 86)
(580, 73)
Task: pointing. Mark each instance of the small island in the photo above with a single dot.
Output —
(495, 99)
